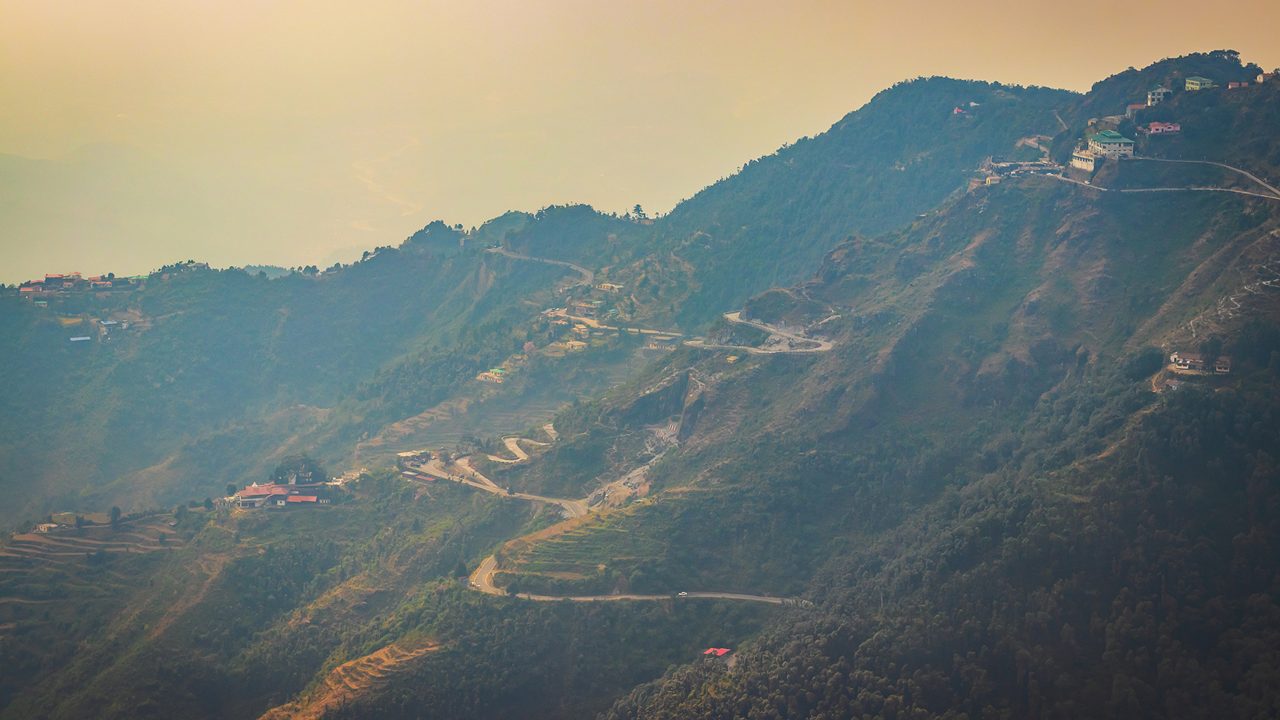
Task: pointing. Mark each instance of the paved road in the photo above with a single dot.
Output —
(818, 344)
(482, 581)
(1165, 189)
(588, 277)
(1246, 173)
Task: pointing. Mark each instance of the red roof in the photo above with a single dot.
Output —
(263, 490)
(302, 498)
(718, 652)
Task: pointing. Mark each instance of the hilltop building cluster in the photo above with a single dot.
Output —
(66, 283)
(1108, 144)
(1199, 364)
(296, 483)
(276, 496)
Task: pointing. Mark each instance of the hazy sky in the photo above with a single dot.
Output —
(137, 132)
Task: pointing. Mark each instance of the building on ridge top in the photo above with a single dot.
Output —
(1196, 82)
(1111, 144)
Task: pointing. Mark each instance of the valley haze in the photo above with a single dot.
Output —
(965, 406)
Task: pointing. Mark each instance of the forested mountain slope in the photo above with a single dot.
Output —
(950, 438)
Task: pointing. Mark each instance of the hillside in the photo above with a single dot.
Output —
(906, 450)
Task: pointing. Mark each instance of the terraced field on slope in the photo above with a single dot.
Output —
(351, 680)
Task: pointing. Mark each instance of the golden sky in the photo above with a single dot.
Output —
(137, 132)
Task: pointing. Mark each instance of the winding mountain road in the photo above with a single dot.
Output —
(1164, 189)
(818, 344)
(482, 581)
(1241, 171)
(461, 471)
(588, 276)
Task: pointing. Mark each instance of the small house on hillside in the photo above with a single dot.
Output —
(1133, 109)
(1162, 128)
(1157, 95)
(1196, 362)
(1265, 77)
(656, 343)
(1196, 82)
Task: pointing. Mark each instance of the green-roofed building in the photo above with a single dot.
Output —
(1110, 143)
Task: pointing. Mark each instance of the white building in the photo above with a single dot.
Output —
(1110, 144)
(1084, 160)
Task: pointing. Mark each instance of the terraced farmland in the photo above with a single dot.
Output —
(582, 549)
(352, 679)
(58, 568)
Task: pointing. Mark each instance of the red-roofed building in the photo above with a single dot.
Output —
(716, 652)
(272, 495)
(1163, 128)
(256, 490)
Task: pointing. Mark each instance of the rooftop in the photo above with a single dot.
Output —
(1109, 136)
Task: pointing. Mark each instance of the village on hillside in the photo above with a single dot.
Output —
(1102, 141)
(591, 315)
(59, 293)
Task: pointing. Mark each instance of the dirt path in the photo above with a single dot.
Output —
(462, 472)
(513, 447)
(212, 565)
